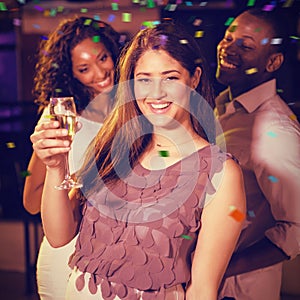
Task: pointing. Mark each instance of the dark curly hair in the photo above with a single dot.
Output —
(53, 71)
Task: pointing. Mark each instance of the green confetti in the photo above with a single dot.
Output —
(150, 4)
(163, 153)
(251, 3)
(229, 21)
(114, 6)
(2, 6)
(88, 22)
(126, 17)
(25, 173)
(187, 237)
(96, 39)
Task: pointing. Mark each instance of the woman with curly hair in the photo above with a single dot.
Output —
(157, 191)
(78, 59)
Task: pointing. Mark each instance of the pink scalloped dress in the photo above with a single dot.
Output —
(137, 237)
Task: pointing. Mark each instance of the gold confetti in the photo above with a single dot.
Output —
(293, 117)
(251, 71)
(199, 34)
(10, 145)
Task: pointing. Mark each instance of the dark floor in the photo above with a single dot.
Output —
(13, 287)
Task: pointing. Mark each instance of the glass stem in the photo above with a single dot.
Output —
(67, 175)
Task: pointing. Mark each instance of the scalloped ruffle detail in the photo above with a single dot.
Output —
(155, 252)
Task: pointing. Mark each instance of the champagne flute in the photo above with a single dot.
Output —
(63, 110)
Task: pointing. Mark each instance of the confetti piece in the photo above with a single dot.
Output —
(251, 213)
(183, 42)
(236, 214)
(239, 42)
(87, 22)
(114, 6)
(197, 22)
(53, 12)
(268, 7)
(96, 39)
(58, 90)
(251, 3)
(97, 18)
(39, 8)
(199, 34)
(273, 179)
(37, 26)
(171, 7)
(232, 28)
(60, 8)
(187, 237)
(229, 21)
(25, 173)
(84, 10)
(10, 145)
(43, 37)
(198, 61)
(279, 90)
(126, 17)
(111, 18)
(288, 3)
(17, 22)
(293, 117)
(150, 4)
(47, 13)
(55, 65)
(203, 3)
(271, 134)
(251, 71)
(188, 3)
(48, 117)
(264, 41)
(163, 39)
(163, 153)
(2, 6)
(276, 41)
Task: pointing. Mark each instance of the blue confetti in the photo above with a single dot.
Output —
(264, 41)
(271, 134)
(273, 179)
(251, 213)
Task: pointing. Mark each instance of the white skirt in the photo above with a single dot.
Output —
(53, 271)
(172, 293)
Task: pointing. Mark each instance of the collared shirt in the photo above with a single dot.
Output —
(260, 130)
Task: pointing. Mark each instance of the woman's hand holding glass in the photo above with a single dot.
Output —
(52, 143)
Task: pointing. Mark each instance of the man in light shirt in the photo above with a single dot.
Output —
(262, 132)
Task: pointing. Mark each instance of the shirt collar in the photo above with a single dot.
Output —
(254, 98)
(250, 100)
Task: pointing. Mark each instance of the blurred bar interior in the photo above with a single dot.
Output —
(22, 26)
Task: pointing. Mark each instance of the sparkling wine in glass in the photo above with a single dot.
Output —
(63, 110)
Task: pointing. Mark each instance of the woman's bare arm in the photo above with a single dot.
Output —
(34, 184)
(218, 235)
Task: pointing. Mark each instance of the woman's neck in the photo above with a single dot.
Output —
(169, 147)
